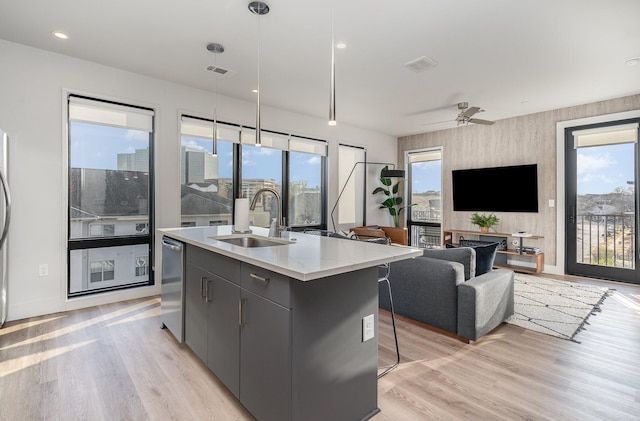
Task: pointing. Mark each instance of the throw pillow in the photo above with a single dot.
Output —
(464, 255)
(485, 256)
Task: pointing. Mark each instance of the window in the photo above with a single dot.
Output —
(207, 180)
(261, 168)
(142, 266)
(102, 271)
(102, 230)
(351, 201)
(110, 179)
(294, 167)
(306, 181)
(142, 228)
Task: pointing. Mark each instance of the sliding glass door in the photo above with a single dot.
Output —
(424, 185)
(602, 201)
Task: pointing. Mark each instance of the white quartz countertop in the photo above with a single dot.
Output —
(309, 257)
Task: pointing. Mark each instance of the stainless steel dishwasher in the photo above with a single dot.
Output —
(172, 290)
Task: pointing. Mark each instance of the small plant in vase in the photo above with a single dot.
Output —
(485, 222)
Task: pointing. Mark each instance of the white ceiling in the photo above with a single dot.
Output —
(508, 57)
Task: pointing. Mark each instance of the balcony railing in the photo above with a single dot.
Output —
(606, 240)
(424, 234)
(428, 215)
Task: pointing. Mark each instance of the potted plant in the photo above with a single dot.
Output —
(485, 222)
(393, 201)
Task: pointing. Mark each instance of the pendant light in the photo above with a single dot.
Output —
(332, 87)
(216, 49)
(258, 8)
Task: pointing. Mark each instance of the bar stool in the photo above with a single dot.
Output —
(385, 278)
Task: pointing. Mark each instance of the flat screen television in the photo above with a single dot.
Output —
(497, 189)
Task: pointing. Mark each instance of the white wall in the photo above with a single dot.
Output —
(33, 88)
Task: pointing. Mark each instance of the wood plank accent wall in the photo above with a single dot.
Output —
(525, 139)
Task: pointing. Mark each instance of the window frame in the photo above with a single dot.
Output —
(429, 229)
(323, 195)
(88, 243)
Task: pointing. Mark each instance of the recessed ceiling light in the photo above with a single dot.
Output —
(60, 35)
(341, 45)
(255, 91)
(632, 61)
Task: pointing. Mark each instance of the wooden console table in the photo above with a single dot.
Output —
(503, 255)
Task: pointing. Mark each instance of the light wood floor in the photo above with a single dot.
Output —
(113, 362)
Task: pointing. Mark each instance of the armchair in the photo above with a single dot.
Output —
(441, 289)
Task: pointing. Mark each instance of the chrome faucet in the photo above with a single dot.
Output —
(277, 226)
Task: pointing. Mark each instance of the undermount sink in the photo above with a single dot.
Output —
(252, 241)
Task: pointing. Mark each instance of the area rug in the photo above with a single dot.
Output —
(554, 307)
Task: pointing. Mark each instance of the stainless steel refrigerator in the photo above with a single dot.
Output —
(5, 216)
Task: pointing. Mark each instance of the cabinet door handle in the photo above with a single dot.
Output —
(240, 311)
(206, 292)
(202, 287)
(259, 278)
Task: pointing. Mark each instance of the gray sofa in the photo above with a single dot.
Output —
(440, 289)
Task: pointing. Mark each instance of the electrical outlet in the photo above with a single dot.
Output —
(368, 328)
(43, 269)
(552, 203)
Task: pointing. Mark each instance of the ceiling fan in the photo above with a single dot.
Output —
(465, 116)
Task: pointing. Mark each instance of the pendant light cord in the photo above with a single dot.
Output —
(258, 8)
(214, 146)
(258, 129)
(332, 88)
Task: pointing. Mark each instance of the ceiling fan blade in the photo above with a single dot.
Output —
(480, 121)
(470, 111)
(438, 122)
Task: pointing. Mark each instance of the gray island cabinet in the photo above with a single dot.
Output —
(288, 350)
(281, 325)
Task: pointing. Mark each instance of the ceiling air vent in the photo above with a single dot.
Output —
(221, 70)
(421, 64)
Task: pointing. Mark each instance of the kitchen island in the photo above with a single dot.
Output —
(283, 325)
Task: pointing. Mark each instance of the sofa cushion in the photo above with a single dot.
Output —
(485, 256)
(464, 255)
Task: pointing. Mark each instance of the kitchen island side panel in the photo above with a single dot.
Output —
(334, 371)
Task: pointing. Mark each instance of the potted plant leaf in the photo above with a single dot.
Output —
(393, 201)
(485, 222)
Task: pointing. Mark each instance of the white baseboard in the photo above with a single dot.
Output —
(44, 307)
